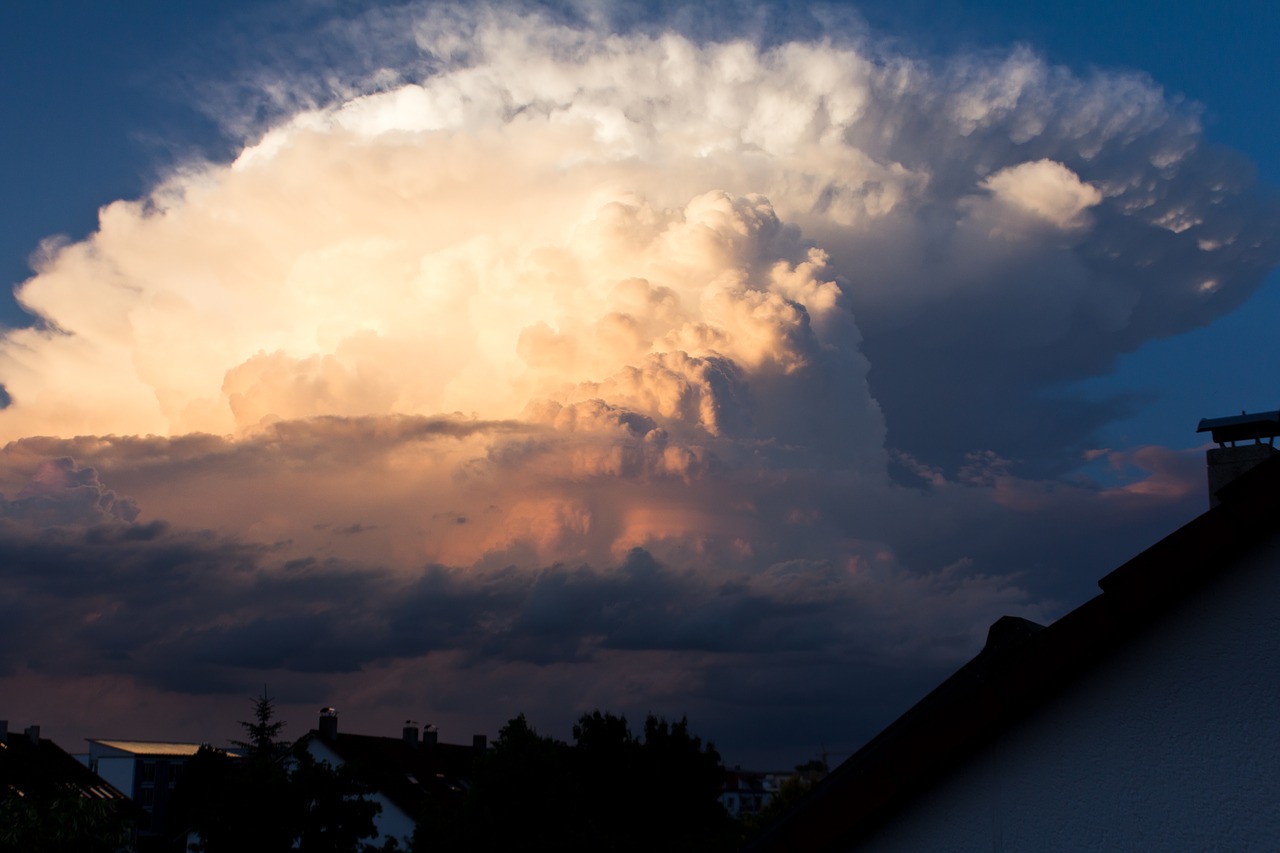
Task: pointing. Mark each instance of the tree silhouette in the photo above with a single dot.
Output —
(65, 824)
(608, 791)
(263, 734)
(518, 796)
(334, 814)
(235, 804)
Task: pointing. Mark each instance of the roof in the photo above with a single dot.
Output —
(750, 780)
(41, 768)
(408, 775)
(160, 749)
(1022, 666)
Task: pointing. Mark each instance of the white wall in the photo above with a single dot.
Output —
(1174, 744)
(391, 821)
(119, 772)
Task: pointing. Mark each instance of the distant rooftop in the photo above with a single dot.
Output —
(149, 747)
(407, 773)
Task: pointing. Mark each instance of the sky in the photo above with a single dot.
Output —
(448, 362)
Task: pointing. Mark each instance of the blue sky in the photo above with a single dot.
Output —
(560, 393)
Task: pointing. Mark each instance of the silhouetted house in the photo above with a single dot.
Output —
(30, 765)
(37, 770)
(1146, 719)
(146, 771)
(413, 776)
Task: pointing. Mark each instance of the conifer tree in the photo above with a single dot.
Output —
(263, 735)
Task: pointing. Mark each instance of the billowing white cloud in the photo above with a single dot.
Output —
(554, 207)
(1042, 191)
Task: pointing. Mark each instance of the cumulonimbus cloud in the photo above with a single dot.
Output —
(557, 206)
(558, 301)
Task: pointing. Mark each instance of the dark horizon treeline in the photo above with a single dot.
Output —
(610, 790)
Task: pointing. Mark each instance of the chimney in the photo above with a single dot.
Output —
(329, 723)
(1009, 632)
(479, 742)
(33, 732)
(429, 736)
(411, 734)
(1239, 439)
(4, 731)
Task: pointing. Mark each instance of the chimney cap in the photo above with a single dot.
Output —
(1242, 427)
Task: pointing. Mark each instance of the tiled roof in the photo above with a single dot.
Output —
(1024, 665)
(408, 775)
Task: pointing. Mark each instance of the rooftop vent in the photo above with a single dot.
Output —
(1240, 446)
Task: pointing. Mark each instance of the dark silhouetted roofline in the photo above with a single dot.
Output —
(36, 766)
(1021, 667)
(406, 775)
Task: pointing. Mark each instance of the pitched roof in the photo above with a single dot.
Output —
(39, 767)
(408, 775)
(1022, 666)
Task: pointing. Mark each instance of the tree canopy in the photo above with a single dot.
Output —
(62, 824)
(610, 790)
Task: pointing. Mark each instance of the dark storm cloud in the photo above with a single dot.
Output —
(153, 602)
(199, 612)
(203, 611)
